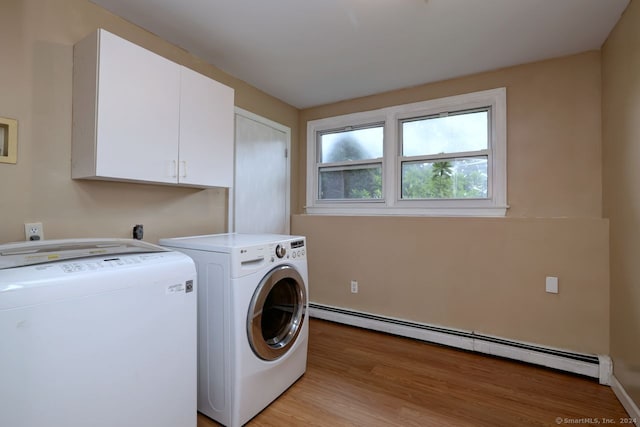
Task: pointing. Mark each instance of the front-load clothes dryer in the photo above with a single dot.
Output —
(252, 325)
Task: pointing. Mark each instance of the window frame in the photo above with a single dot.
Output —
(347, 165)
(424, 158)
(391, 202)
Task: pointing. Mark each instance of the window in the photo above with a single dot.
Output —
(350, 164)
(445, 156)
(440, 157)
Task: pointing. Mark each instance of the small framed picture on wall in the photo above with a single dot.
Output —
(8, 140)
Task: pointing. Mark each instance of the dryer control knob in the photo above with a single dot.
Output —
(280, 251)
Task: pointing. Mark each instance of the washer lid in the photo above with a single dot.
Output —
(45, 251)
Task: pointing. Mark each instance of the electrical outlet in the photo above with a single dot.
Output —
(354, 286)
(551, 284)
(33, 231)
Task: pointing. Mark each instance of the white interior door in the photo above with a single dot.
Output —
(261, 192)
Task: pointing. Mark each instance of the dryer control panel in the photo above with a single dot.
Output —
(293, 249)
(253, 258)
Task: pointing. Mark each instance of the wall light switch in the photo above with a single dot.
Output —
(354, 286)
(552, 285)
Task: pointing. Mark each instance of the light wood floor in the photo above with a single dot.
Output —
(357, 377)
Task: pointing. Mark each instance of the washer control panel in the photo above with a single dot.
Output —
(294, 249)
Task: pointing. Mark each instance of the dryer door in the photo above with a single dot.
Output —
(276, 312)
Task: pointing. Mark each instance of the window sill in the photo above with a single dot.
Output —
(493, 211)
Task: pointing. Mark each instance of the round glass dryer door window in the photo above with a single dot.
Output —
(276, 313)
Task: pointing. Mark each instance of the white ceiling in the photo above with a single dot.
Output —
(313, 52)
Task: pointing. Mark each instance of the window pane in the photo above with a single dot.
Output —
(445, 179)
(451, 134)
(352, 183)
(357, 144)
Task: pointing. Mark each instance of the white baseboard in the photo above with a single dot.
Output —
(584, 364)
(628, 403)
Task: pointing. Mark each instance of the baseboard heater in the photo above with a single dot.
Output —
(595, 366)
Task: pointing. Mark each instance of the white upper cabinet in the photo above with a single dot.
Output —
(140, 117)
(126, 102)
(206, 131)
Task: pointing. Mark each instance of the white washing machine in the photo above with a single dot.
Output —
(97, 332)
(252, 325)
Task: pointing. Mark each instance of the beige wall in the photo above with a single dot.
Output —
(621, 165)
(488, 275)
(35, 83)
(553, 133)
(485, 275)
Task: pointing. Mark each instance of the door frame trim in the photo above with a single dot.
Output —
(278, 126)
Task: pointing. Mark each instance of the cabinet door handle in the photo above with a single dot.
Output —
(183, 168)
(173, 169)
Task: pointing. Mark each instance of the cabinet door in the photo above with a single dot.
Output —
(206, 131)
(138, 113)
